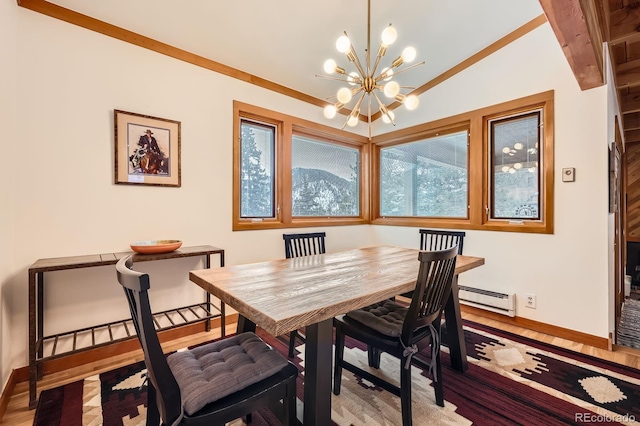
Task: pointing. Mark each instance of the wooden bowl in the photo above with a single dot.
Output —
(155, 246)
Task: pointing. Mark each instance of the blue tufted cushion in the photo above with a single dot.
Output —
(213, 371)
(385, 317)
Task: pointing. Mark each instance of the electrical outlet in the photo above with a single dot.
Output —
(530, 300)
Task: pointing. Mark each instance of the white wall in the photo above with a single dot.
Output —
(568, 271)
(8, 78)
(612, 111)
(70, 80)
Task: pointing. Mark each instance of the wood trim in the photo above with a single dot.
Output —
(92, 24)
(540, 327)
(288, 126)
(477, 218)
(478, 181)
(7, 392)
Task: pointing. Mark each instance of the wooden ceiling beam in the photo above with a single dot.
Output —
(632, 121)
(624, 24)
(628, 74)
(576, 24)
(632, 136)
(630, 103)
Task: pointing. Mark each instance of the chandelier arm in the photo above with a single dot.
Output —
(328, 77)
(355, 111)
(380, 104)
(384, 109)
(357, 107)
(380, 77)
(345, 122)
(358, 65)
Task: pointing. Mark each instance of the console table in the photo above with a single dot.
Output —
(199, 312)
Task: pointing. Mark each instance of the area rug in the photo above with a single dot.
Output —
(511, 380)
(629, 325)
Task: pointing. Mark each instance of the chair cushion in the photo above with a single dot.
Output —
(385, 317)
(212, 371)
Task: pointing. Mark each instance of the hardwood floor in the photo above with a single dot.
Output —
(18, 414)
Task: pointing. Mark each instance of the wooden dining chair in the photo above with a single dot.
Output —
(210, 384)
(430, 240)
(436, 239)
(296, 245)
(402, 331)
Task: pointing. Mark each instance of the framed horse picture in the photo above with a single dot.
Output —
(147, 150)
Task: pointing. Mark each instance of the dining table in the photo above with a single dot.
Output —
(307, 292)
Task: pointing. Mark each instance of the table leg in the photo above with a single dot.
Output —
(245, 325)
(455, 334)
(317, 373)
(33, 374)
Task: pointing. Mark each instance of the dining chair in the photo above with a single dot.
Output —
(430, 240)
(436, 239)
(402, 331)
(209, 384)
(296, 245)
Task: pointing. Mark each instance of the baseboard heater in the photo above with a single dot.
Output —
(501, 303)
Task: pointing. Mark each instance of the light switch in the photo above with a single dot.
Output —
(569, 174)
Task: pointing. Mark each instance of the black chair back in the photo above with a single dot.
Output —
(435, 277)
(432, 239)
(165, 387)
(296, 245)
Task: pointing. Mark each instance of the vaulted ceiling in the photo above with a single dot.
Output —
(282, 45)
(581, 26)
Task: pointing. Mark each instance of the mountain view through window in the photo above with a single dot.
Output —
(324, 178)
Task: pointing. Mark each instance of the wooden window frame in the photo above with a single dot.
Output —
(478, 166)
(286, 127)
(441, 128)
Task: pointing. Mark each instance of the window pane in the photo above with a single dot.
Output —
(325, 179)
(257, 176)
(516, 171)
(425, 178)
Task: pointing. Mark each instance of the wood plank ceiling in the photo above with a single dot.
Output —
(624, 39)
(581, 26)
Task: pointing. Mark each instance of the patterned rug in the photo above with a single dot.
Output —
(511, 380)
(629, 326)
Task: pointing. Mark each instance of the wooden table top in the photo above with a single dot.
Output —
(287, 294)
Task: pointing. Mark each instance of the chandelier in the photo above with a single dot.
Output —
(365, 83)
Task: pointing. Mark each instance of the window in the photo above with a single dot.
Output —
(325, 178)
(489, 169)
(257, 148)
(515, 167)
(289, 172)
(426, 178)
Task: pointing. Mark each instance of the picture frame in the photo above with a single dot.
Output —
(614, 178)
(147, 150)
